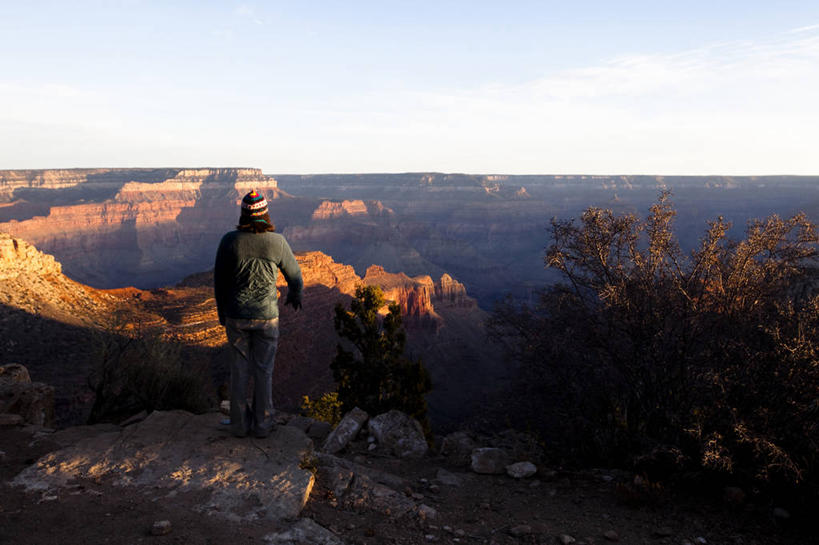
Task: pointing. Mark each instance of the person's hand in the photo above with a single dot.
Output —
(294, 302)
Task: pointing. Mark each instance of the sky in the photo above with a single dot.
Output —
(513, 87)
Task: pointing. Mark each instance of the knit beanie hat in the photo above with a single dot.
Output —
(254, 206)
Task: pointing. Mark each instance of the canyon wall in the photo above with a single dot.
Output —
(115, 227)
(151, 227)
(490, 231)
(53, 325)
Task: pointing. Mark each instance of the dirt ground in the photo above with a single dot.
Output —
(588, 506)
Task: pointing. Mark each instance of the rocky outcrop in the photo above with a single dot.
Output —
(113, 227)
(32, 401)
(19, 257)
(449, 292)
(355, 208)
(174, 452)
(414, 295)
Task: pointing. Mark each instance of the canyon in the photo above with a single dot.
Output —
(445, 246)
(52, 325)
(151, 227)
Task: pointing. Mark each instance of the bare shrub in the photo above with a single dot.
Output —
(139, 368)
(714, 352)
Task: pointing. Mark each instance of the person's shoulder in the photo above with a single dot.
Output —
(272, 237)
(230, 235)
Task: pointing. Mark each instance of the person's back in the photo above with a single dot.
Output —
(244, 277)
(247, 266)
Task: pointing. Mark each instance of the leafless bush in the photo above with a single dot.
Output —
(714, 351)
(141, 368)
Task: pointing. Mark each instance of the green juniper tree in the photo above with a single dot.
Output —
(376, 375)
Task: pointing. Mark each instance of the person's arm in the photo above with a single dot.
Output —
(292, 274)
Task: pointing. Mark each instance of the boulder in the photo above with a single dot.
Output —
(34, 401)
(319, 430)
(490, 461)
(360, 487)
(175, 452)
(399, 433)
(346, 431)
(13, 373)
(458, 447)
(301, 422)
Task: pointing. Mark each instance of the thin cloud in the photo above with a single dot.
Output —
(808, 28)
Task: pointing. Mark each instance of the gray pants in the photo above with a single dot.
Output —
(253, 343)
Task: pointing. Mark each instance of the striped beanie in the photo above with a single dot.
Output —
(254, 205)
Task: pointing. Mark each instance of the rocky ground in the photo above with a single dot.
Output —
(362, 494)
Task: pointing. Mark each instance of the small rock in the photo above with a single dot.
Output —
(371, 439)
(10, 420)
(566, 539)
(489, 461)
(611, 535)
(520, 530)
(781, 514)
(663, 531)
(449, 479)
(431, 537)
(434, 488)
(425, 512)
(417, 496)
(534, 484)
(161, 528)
(459, 532)
(549, 475)
(521, 470)
(372, 446)
(701, 540)
(733, 495)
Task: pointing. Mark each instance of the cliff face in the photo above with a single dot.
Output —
(18, 257)
(490, 231)
(123, 226)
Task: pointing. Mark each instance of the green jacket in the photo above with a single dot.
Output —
(244, 277)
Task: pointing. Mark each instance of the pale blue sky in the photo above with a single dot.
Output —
(460, 86)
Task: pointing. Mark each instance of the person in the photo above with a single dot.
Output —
(244, 278)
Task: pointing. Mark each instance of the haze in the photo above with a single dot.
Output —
(481, 87)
